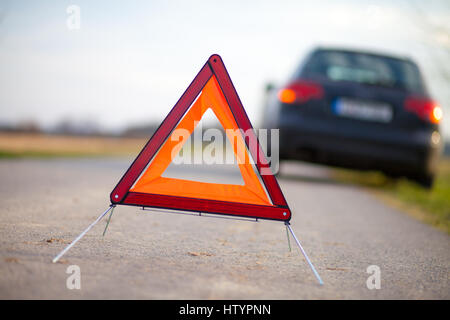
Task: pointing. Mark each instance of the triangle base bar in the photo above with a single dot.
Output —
(207, 206)
(200, 214)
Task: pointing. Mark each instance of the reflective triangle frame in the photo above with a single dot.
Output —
(122, 195)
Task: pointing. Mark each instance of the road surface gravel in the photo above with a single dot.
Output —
(46, 203)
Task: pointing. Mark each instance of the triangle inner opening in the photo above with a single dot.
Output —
(204, 155)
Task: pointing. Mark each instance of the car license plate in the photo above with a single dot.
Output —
(363, 110)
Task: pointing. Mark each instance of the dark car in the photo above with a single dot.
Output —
(358, 110)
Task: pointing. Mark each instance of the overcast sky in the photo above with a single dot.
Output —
(130, 61)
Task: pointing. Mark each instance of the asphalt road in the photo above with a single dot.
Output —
(153, 255)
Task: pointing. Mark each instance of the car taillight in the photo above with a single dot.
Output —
(437, 114)
(425, 108)
(300, 91)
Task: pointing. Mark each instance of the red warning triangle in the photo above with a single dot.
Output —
(143, 184)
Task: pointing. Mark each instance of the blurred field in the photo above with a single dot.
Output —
(430, 206)
(41, 145)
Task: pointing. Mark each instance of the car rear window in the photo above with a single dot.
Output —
(364, 68)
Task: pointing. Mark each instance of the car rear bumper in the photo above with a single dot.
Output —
(390, 150)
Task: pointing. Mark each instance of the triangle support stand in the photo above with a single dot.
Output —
(112, 206)
(304, 253)
(82, 234)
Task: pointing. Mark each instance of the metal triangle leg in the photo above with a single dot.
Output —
(107, 222)
(304, 253)
(82, 234)
(289, 240)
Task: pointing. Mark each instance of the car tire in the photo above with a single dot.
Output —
(425, 180)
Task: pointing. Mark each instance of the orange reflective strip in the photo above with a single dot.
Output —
(152, 182)
(201, 190)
